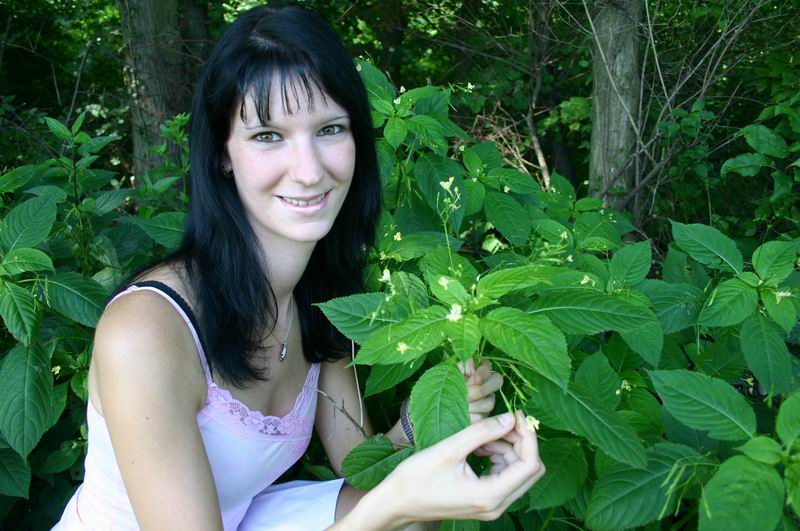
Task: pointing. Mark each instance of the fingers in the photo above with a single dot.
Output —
(466, 441)
(492, 383)
(527, 467)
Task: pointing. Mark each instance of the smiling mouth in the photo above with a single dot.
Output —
(304, 202)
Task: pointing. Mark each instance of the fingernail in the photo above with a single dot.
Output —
(506, 419)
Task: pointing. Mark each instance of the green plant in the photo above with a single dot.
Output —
(669, 398)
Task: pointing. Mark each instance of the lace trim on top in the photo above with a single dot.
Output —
(296, 422)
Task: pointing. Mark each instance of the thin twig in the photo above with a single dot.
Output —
(336, 405)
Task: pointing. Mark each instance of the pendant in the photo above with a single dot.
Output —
(282, 355)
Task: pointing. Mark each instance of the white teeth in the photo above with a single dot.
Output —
(300, 202)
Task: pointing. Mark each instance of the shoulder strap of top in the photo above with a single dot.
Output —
(180, 306)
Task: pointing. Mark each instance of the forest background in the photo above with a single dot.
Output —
(566, 150)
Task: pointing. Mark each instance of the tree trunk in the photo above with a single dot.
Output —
(615, 98)
(161, 67)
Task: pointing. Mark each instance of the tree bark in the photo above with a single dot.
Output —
(161, 67)
(615, 98)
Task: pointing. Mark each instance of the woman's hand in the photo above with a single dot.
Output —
(482, 383)
(438, 484)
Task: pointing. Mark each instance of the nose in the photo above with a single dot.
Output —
(307, 168)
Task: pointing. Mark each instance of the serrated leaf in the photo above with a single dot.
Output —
(395, 131)
(729, 304)
(581, 412)
(447, 289)
(705, 403)
(647, 340)
(533, 340)
(675, 305)
(765, 141)
(778, 304)
(516, 181)
(596, 373)
(438, 406)
(383, 377)
(405, 341)
(58, 129)
(165, 228)
(774, 260)
(371, 461)
(587, 311)
(746, 164)
(762, 449)
(631, 263)
(766, 353)
(28, 223)
(787, 424)
(76, 297)
(498, 283)
(567, 458)
(411, 288)
(430, 172)
(625, 497)
(742, 495)
(22, 260)
(358, 316)
(443, 262)
(708, 246)
(505, 213)
(465, 335)
(18, 308)
(594, 231)
(26, 398)
(15, 476)
(17, 177)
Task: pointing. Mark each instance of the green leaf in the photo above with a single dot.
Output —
(442, 261)
(61, 459)
(742, 495)
(15, 476)
(28, 223)
(515, 181)
(595, 232)
(729, 304)
(383, 377)
(447, 289)
(498, 283)
(395, 131)
(765, 141)
(705, 403)
(766, 353)
(780, 308)
(464, 334)
(596, 373)
(746, 164)
(472, 161)
(438, 405)
(647, 339)
(675, 305)
(96, 144)
(787, 424)
(19, 176)
(411, 288)
(165, 228)
(532, 340)
(58, 129)
(371, 461)
(567, 458)
(587, 311)
(76, 297)
(430, 172)
(708, 246)
(631, 263)
(626, 497)
(581, 412)
(22, 260)
(505, 213)
(18, 308)
(762, 449)
(405, 341)
(774, 260)
(429, 133)
(26, 398)
(358, 316)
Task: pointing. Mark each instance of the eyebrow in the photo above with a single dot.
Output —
(269, 124)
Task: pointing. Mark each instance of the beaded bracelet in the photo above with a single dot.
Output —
(405, 421)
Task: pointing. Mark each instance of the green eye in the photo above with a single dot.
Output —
(331, 130)
(268, 137)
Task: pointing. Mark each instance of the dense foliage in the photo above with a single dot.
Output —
(656, 348)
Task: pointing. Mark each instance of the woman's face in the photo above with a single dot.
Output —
(293, 173)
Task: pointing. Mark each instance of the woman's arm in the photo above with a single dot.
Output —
(149, 387)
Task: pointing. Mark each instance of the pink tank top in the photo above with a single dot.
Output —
(247, 450)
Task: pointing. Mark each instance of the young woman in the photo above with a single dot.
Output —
(211, 369)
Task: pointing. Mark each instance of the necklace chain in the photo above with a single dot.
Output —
(284, 348)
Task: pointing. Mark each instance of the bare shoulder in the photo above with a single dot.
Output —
(143, 343)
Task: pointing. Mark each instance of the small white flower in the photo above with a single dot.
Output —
(564, 235)
(781, 294)
(447, 184)
(402, 89)
(532, 422)
(585, 280)
(455, 313)
(569, 258)
(386, 276)
(506, 189)
(443, 282)
(358, 67)
(402, 347)
(470, 86)
(397, 236)
(397, 101)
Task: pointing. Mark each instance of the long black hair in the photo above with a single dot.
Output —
(222, 258)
